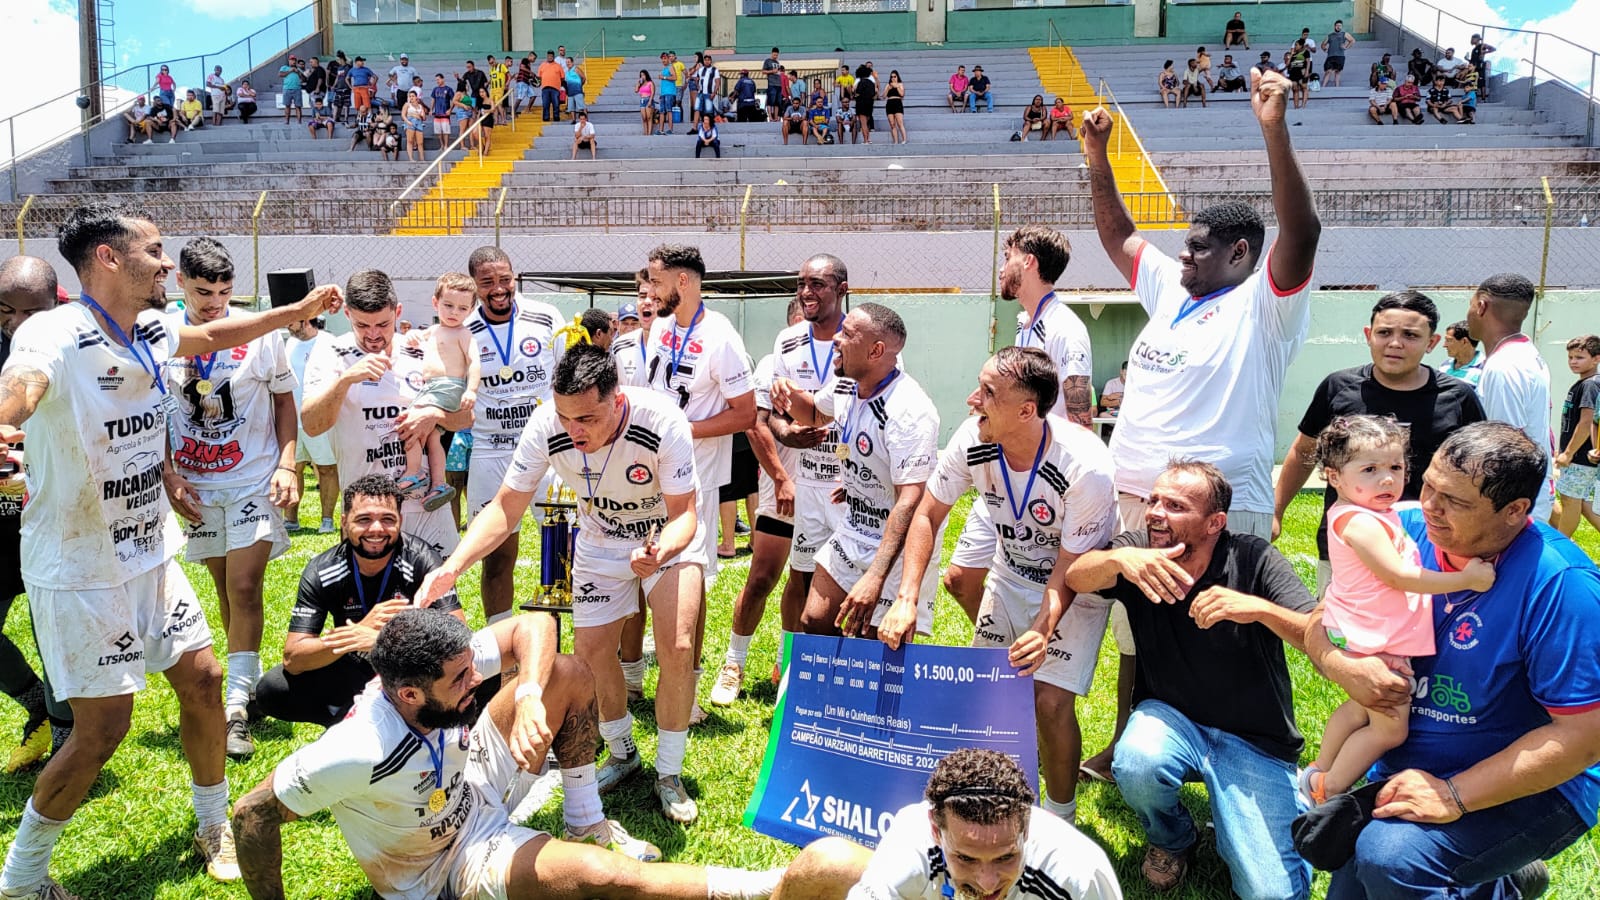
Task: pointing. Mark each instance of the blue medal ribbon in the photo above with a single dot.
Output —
(1033, 472)
(1024, 333)
(678, 348)
(140, 349)
(1194, 303)
(822, 374)
(383, 584)
(511, 337)
(205, 362)
(591, 483)
(848, 428)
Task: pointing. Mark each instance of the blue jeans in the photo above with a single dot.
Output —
(1468, 858)
(1253, 798)
(551, 98)
(972, 100)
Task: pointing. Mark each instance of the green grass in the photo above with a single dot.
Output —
(131, 839)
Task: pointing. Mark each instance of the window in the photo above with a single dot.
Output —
(612, 9)
(816, 7)
(381, 12)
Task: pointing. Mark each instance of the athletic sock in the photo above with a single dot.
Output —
(633, 672)
(32, 699)
(580, 800)
(210, 803)
(739, 648)
(670, 747)
(1067, 811)
(500, 616)
(740, 884)
(618, 735)
(28, 860)
(244, 670)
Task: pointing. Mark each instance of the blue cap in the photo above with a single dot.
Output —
(627, 311)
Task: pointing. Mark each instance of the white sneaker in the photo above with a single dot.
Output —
(216, 845)
(326, 527)
(610, 834)
(148, 141)
(729, 680)
(615, 770)
(46, 890)
(676, 804)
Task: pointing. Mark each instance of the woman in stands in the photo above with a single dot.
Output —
(1408, 100)
(894, 107)
(486, 127)
(1060, 120)
(415, 117)
(467, 108)
(1297, 65)
(646, 89)
(866, 103)
(1033, 117)
(166, 88)
(1167, 82)
(246, 100)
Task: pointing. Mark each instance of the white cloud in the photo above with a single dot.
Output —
(41, 38)
(1566, 59)
(234, 9)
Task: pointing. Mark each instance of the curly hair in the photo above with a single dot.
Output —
(1050, 247)
(679, 256)
(376, 484)
(412, 648)
(585, 366)
(980, 786)
(1233, 221)
(1346, 436)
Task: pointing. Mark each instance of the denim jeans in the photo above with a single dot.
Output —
(551, 99)
(1468, 858)
(1253, 798)
(972, 100)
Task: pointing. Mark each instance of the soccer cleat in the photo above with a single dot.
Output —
(610, 834)
(35, 744)
(676, 804)
(729, 680)
(240, 744)
(45, 890)
(216, 845)
(615, 770)
(440, 495)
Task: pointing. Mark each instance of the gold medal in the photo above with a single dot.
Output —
(842, 451)
(204, 387)
(505, 372)
(436, 800)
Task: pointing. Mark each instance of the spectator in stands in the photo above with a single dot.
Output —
(1477, 58)
(1382, 70)
(692, 86)
(522, 90)
(138, 119)
(1461, 348)
(1167, 84)
(485, 104)
(1235, 33)
(1467, 105)
(1380, 100)
(667, 93)
(321, 117)
(247, 101)
(1297, 66)
(315, 79)
(1420, 66)
(414, 117)
(707, 83)
(551, 77)
(979, 88)
(293, 103)
(1450, 66)
(820, 121)
(1033, 116)
(575, 77)
(680, 78)
(402, 75)
(339, 85)
(1111, 396)
(1229, 78)
(844, 120)
(1194, 85)
(958, 90)
(1262, 67)
(1335, 45)
(866, 101)
(391, 142)
(363, 81)
(844, 86)
(748, 107)
(1440, 100)
(1408, 100)
(191, 114)
(1202, 63)
(773, 71)
(165, 88)
(217, 91)
(163, 118)
(441, 98)
(583, 135)
(646, 89)
(1060, 120)
(894, 107)
(368, 129)
(471, 80)
(794, 120)
(706, 136)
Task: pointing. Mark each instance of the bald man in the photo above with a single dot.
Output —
(27, 286)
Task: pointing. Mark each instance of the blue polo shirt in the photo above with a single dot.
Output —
(361, 76)
(1507, 660)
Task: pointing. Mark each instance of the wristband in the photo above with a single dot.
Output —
(291, 471)
(532, 689)
(1462, 807)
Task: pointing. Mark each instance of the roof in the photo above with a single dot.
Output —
(736, 284)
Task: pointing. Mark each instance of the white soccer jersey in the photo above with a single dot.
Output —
(1058, 862)
(225, 432)
(299, 354)
(893, 440)
(701, 368)
(375, 774)
(1515, 389)
(761, 380)
(1060, 333)
(620, 499)
(808, 362)
(1072, 503)
(97, 513)
(632, 364)
(526, 345)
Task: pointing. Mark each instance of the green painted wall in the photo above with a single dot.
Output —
(822, 33)
(1075, 24)
(685, 35)
(1202, 23)
(421, 38)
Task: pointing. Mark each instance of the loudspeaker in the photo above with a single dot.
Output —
(289, 286)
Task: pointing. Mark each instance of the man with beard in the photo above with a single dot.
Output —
(517, 352)
(1209, 611)
(359, 389)
(1039, 523)
(109, 603)
(235, 433)
(627, 452)
(1035, 257)
(415, 777)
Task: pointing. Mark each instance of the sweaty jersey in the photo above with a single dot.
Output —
(225, 435)
(893, 439)
(1059, 332)
(328, 585)
(622, 486)
(701, 368)
(1058, 863)
(376, 776)
(798, 356)
(628, 351)
(1070, 504)
(526, 345)
(97, 513)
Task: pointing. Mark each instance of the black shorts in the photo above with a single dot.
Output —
(775, 527)
(744, 477)
(1297, 75)
(1333, 64)
(1193, 90)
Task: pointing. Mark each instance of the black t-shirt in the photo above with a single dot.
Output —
(328, 588)
(316, 80)
(1230, 677)
(473, 80)
(979, 84)
(1235, 25)
(1580, 396)
(1434, 411)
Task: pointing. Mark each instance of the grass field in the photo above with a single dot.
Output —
(131, 839)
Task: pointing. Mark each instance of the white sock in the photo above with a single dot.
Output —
(580, 801)
(500, 616)
(618, 735)
(1067, 811)
(28, 860)
(633, 672)
(739, 648)
(244, 670)
(741, 884)
(670, 747)
(210, 803)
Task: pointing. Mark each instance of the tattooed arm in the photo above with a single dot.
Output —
(1118, 233)
(21, 388)
(1078, 397)
(258, 819)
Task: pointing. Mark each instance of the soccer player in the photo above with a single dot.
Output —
(628, 454)
(359, 389)
(1047, 485)
(517, 352)
(1035, 257)
(888, 441)
(414, 777)
(235, 449)
(109, 603)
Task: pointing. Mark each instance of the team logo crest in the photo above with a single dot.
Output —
(531, 346)
(1464, 633)
(415, 381)
(465, 738)
(1041, 512)
(638, 473)
(863, 445)
(113, 370)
